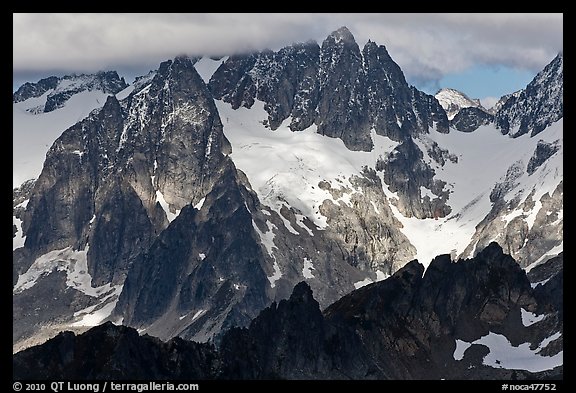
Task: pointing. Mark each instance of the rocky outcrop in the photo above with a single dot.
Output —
(112, 182)
(366, 227)
(62, 89)
(215, 278)
(469, 119)
(110, 352)
(544, 150)
(409, 326)
(407, 173)
(338, 87)
(537, 106)
(32, 90)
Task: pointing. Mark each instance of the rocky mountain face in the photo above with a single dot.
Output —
(62, 88)
(470, 118)
(464, 114)
(149, 212)
(537, 106)
(470, 319)
(345, 93)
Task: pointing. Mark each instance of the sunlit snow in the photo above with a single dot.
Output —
(295, 161)
(169, 215)
(504, 355)
(529, 318)
(33, 134)
(74, 263)
(307, 269)
(360, 284)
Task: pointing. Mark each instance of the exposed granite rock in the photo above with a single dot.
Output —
(404, 327)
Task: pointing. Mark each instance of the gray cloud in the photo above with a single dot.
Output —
(426, 46)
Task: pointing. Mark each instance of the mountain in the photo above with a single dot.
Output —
(464, 113)
(203, 193)
(42, 110)
(478, 318)
(453, 101)
(535, 108)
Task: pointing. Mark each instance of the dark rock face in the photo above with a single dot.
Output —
(543, 152)
(211, 271)
(343, 90)
(104, 179)
(341, 106)
(31, 90)
(275, 345)
(404, 327)
(115, 352)
(537, 106)
(405, 172)
(469, 119)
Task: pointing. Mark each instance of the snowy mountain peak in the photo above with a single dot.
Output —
(342, 35)
(453, 100)
(257, 171)
(60, 89)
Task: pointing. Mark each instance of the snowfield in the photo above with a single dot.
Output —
(285, 167)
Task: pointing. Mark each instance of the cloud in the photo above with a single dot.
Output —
(426, 46)
(489, 102)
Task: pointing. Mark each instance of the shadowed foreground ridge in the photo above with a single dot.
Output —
(405, 327)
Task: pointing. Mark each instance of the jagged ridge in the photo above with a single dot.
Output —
(405, 327)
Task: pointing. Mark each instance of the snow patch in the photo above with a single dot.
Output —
(535, 284)
(360, 284)
(504, 355)
(555, 251)
(198, 314)
(200, 203)
(267, 238)
(276, 275)
(529, 318)
(160, 199)
(74, 263)
(307, 269)
(18, 240)
(95, 315)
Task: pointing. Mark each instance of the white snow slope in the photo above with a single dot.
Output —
(286, 166)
